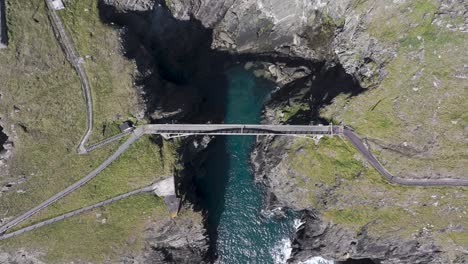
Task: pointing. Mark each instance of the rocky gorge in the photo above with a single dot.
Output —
(331, 62)
(322, 55)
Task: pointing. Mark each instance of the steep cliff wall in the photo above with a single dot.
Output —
(394, 58)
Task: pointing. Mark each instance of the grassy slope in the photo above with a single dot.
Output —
(109, 73)
(36, 78)
(358, 195)
(419, 102)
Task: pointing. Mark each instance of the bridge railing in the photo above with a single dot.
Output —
(226, 129)
(107, 141)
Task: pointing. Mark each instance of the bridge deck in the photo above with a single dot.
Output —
(238, 129)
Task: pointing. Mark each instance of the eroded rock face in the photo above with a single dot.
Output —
(179, 240)
(319, 238)
(290, 38)
(315, 30)
(6, 151)
(131, 5)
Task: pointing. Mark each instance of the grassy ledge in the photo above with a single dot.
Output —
(352, 194)
(419, 109)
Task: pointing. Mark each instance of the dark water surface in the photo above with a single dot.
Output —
(241, 231)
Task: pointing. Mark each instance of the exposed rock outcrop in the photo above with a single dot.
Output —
(132, 5)
(316, 237)
(314, 30)
(321, 237)
(6, 150)
(180, 240)
(21, 257)
(3, 26)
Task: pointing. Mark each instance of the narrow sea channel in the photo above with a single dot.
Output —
(240, 230)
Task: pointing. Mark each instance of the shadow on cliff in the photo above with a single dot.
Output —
(183, 81)
(317, 90)
(179, 70)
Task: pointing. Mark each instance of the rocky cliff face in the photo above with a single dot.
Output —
(314, 30)
(180, 240)
(337, 224)
(6, 150)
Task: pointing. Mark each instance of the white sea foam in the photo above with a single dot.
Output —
(317, 260)
(298, 223)
(281, 252)
(275, 212)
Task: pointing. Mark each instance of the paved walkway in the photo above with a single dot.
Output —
(137, 133)
(239, 129)
(166, 188)
(76, 61)
(163, 188)
(75, 212)
(357, 143)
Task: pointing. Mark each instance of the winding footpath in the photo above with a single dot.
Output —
(137, 133)
(357, 143)
(75, 212)
(77, 62)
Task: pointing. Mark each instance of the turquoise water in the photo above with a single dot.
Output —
(243, 233)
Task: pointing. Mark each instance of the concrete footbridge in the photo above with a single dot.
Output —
(181, 130)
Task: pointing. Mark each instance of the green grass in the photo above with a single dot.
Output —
(115, 99)
(459, 238)
(419, 99)
(324, 161)
(68, 240)
(290, 110)
(352, 194)
(404, 19)
(420, 102)
(36, 78)
(358, 216)
(265, 26)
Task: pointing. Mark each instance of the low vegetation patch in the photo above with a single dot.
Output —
(97, 235)
(110, 74)
(325, 161)
(352, 194)
(290, 110)
(418, 111)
